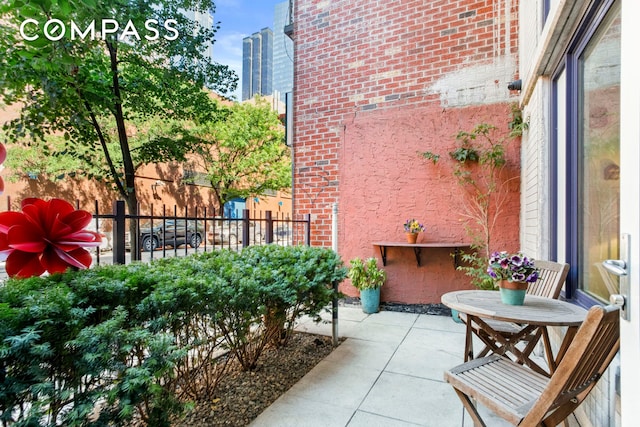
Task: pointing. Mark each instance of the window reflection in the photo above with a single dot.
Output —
(599, 125)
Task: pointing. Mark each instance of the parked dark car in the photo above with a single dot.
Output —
(171, 232)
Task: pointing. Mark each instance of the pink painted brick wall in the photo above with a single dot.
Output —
(375, 84)
(383, 182)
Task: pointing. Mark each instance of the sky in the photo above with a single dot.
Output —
(238, 19)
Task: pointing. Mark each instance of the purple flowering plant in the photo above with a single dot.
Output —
(512, 267)
(413, 226)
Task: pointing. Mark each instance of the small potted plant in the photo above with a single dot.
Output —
(513, 273)
(412, 227)
(367, 278)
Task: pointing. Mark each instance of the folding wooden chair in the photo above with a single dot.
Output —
(526, 398)
(552, 277)
(548, 285)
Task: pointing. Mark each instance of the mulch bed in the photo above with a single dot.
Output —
(242, 396)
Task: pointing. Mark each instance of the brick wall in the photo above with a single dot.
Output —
(374, 84)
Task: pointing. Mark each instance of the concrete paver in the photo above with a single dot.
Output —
(387, 373)
(416, 400)
(366, 419)
(337, 384)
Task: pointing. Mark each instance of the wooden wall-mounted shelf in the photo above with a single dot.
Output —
(417, 249)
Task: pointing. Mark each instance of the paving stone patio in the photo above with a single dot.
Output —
(387, 373)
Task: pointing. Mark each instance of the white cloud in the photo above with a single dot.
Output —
(230, 43)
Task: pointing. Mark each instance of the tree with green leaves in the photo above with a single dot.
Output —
(77, 66)
(244, 154)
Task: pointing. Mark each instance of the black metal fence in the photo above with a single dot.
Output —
(171, 233)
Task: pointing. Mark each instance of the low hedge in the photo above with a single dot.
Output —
(105, 345)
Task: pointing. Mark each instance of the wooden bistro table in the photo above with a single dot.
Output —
(534, 317)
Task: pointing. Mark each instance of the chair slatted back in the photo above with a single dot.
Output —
(592, 349)
(551, 280)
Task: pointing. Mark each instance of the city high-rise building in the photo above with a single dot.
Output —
(206, 21)
(282, 51)
(257, 64)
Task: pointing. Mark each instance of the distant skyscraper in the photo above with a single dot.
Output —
(257, 64)
(206, 21)
(282, 51)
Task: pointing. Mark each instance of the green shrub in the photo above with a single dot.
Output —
(184, 305)
(296, 281)
(40, 377)
(71, 340)
(105, 345)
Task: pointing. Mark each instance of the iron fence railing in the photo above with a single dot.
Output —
(204, 230)
(167, 233)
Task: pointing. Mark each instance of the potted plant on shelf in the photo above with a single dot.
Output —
(368, 279)
(513, 273)
(412, 227)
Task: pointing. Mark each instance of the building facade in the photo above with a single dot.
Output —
(205, 20)
(257, 64)
(579, 160)
(374, 86)
(282, 51)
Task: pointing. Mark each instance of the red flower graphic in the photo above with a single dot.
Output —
(45, 236)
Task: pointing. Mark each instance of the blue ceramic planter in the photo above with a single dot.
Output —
(455, 315)
(370, 300)
(512, 296)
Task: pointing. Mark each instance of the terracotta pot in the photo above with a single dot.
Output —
(520, 286)
(412, 237)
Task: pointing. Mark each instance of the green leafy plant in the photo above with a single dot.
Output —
(465, 153)
(298, 280)
(74, 344)
(517, 125)
(366, 274)
(144, 339)
(479, 163)
(240, 314)
(474, 266)
(183, 307)
(429, 155)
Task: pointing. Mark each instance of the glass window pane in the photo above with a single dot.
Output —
(599, 171)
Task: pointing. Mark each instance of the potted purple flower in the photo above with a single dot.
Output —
(412, 227)
(513, 273)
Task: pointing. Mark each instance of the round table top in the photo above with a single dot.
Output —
(535, 311)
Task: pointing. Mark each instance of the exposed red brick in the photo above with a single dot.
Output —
(363, 111)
